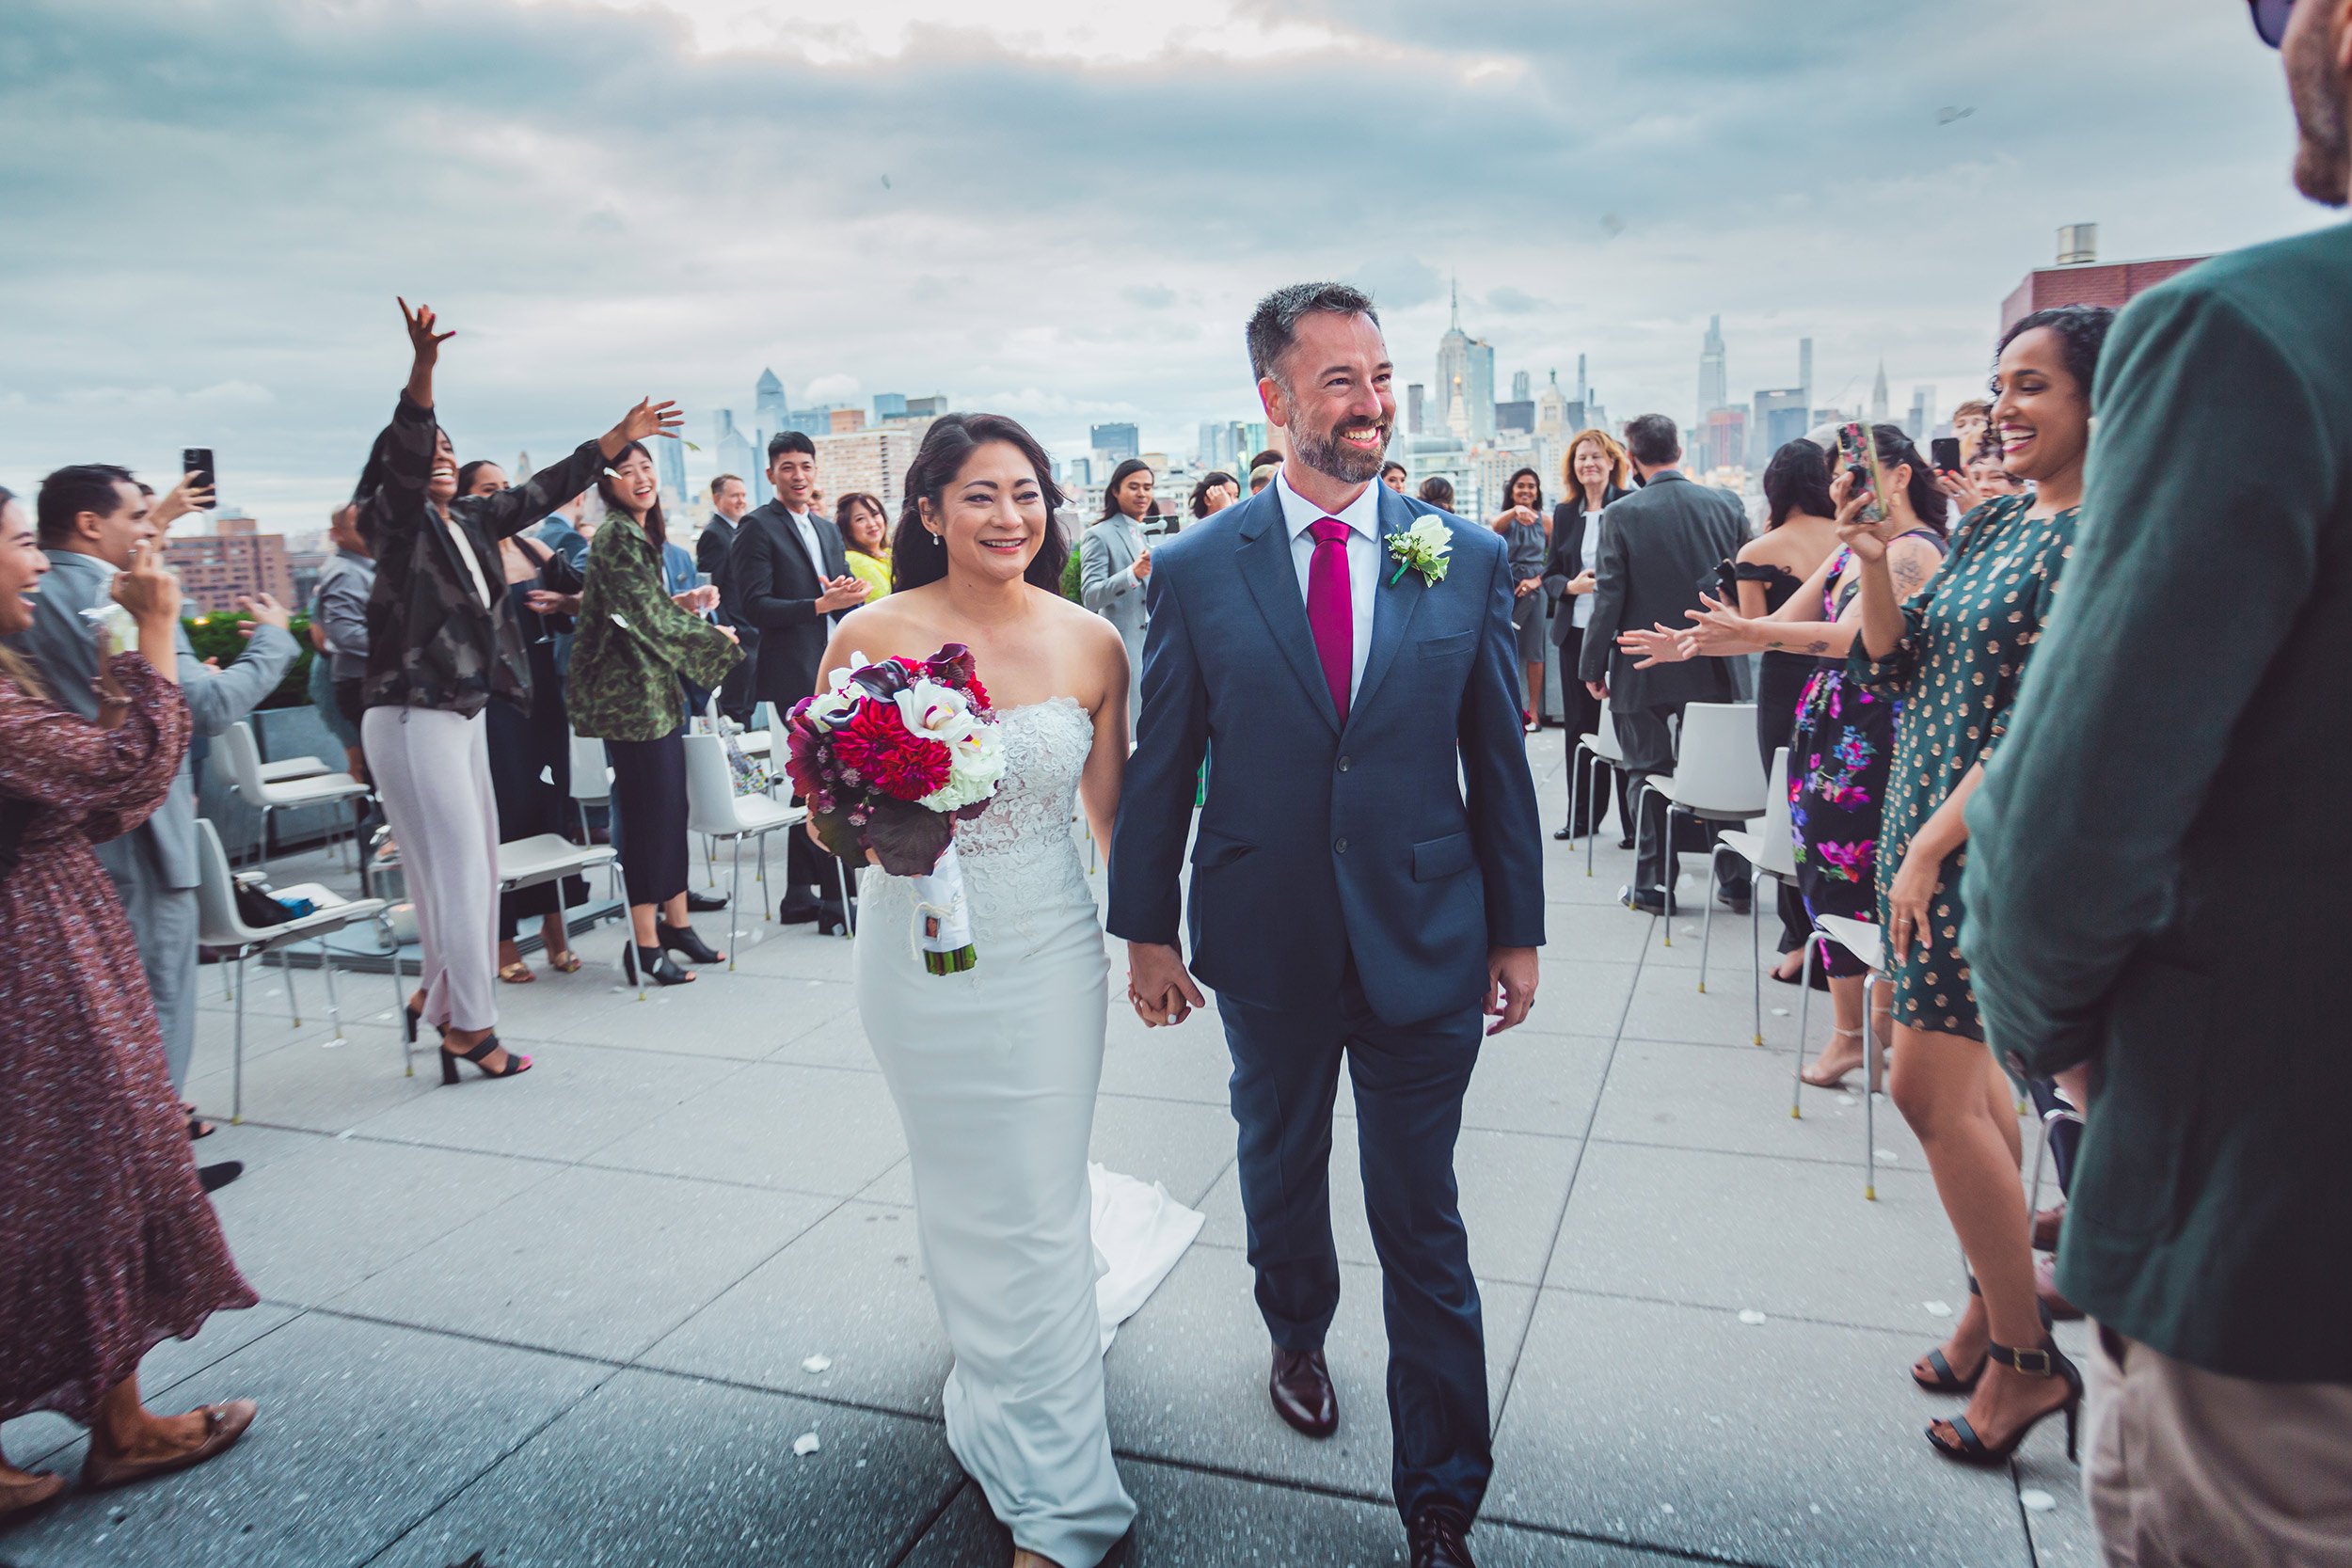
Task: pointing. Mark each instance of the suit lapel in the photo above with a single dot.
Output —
(1272, 575)
(1392, 605)
(791, 532)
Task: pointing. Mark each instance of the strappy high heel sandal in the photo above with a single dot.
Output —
(478, 1056)
(1945, 1380)
(1838, 1082)
(2047, 1362)
(685, 940)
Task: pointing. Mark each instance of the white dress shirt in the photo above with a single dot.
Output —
(807, 526)
(1362, 518)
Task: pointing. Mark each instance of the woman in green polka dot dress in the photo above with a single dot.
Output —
(1954, 655)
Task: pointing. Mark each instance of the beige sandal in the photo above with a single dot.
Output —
(517, 973)
(223, 1425)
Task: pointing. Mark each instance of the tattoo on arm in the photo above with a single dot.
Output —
(1817, 647)
(1909, 575)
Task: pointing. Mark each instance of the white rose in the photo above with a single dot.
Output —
(1433, 538)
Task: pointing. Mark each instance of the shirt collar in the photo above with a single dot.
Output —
(1299, 514)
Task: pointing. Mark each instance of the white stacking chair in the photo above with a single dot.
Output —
(243, 755)
(1595, 750)
(752, 740)
(1770, 850)
(1717, 778)
(1866, 944)
(591, 777)
(286, 770)
(715, 808)
(222, 929)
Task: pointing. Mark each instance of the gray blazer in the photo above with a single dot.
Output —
(1109, 586)
(162, 850)
(1657, 546)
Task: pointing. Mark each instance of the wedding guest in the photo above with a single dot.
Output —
(1595, 473)
(730, 499)
(1655, 547)
(1799, 533)
(636, 640)
(865, 528)
(442, 643)
(1217, 491)
(1528, 539)
(1971, 421)
(1954, 653)
(2127, 851)
(1267, 459)
(339, 618)
(1115, 562)
(107, 1243)
(1437, 491)
(565, 530)
(787, 576)
(1394, 477)
(1842, 735)
(529, 746)
(91, 519)
(1261, 475)
(1989, 478)
(479, 478)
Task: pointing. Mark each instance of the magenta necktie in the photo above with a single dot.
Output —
(1332, 609)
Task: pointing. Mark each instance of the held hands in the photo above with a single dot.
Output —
(842, 593)
(1159, 987)
(648, 419)
(1511, 973)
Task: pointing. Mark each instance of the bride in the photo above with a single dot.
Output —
(995, 1069)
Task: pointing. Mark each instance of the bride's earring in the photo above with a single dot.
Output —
(939, 539)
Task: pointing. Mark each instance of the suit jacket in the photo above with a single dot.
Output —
(1573, 531)
(162, 850)
(1107, 584)
(1657, 546)
(770, 583)
(2154, 793)
(1404, 841)
(711, 544)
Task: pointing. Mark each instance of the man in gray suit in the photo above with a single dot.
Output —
(1114, 563)
(90, 518)
(1657, 548)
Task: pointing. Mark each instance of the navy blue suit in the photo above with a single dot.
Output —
(1349, 883)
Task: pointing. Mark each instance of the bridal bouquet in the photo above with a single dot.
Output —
(890, 757)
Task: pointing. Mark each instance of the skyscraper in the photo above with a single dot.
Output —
(1414, 394)
(1521, 387)
(1714, 392)
(1804, 369)
(1117, 442)
(1582, 394)
(669, 467)
(1922, 418)
(1479, 395)
(768, 402)
(733, 452)
(1551, 412)
(1782, 415)
(889, 405)
(1879, 409)
(1452, 383)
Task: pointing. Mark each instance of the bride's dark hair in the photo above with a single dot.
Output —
(917, 557)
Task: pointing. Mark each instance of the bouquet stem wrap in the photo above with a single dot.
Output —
(942, 918)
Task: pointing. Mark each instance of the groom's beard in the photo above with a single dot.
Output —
(1324, 451)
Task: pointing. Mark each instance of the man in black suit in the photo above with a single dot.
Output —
(729, 500)
(786, 577)
(1657, 546)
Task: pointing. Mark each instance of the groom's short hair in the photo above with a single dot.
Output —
(1274, 326)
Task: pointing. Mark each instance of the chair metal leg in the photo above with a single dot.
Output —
(735, 901)
(711, 876)
(1706, 919)
(2040, 1148)
(400, 998)
(1592, 786)
(1869, 1099)
(1804, 1021)
(293, 997)
(334, 1005)
(262, 849)
(237, 1100)
(848, 909)
(1755, 960)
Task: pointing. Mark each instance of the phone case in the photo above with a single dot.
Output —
(1858, 451)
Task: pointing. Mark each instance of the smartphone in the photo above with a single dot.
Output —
(1861, 457)
(1945, 453)
(199, 461)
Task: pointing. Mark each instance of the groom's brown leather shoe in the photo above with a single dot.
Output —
(1434, 1537)
(1303, 1395)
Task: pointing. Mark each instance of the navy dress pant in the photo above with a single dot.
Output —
(1408, 1082)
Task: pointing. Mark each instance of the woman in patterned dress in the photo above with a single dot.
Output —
(1955, 654)
(109, 1245)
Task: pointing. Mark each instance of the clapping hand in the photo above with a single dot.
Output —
(265, 611)
(1717, 628)
(842, 593)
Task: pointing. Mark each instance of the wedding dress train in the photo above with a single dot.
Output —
(1033, 1259)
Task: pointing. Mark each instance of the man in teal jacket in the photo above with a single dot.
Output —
(2160, 878)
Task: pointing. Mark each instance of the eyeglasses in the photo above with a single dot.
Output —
(2270, 19)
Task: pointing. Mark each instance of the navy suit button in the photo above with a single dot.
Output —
(1346, 763)
(1340, 848)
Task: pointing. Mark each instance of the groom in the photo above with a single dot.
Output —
(1366, 879)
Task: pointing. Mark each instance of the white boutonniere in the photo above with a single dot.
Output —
(1423, 548)
(121, 631)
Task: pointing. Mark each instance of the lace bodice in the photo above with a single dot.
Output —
(1020, 860)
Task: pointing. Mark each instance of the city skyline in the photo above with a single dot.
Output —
(588, 257)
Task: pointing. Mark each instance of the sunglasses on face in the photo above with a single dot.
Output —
(2270, 19)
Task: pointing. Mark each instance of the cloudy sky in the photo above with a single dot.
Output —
(1058, 208)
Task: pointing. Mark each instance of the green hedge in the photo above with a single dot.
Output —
(1069, 578)
(215, 636)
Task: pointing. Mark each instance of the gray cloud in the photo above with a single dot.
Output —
(227, 196)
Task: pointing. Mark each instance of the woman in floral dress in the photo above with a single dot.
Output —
(1955, 654)
(109, 1245)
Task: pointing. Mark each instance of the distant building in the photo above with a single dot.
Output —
(1779, 416)
(233, 558)
(769, 407)
(889, 405)
(1880, 411)
(844, 421)
(1479, 391)
(1516, 417)
(1551, 413)
(1414, 395)
(669, 466)
(1520, 391)
(1921, 420)
(1805, 369)
(1117, 442)
(733, 452)
(1721, 442)
(875, 461)
(1714, 389)
(2081, 278)
(927, 408)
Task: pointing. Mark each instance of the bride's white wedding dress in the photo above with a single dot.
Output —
(995, 1072)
